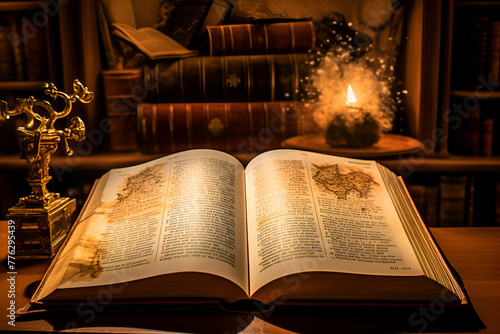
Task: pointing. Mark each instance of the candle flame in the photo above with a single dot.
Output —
(351, 98)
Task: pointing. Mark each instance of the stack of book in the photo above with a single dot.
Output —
(243, 91)
(244, 96)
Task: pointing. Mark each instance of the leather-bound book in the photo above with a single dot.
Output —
(228, 79)
(261, 38)
(240, 127)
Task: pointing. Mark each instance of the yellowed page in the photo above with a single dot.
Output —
(152, 42)
(183, 212)
(313, 212)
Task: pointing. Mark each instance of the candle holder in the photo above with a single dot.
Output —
(354, 129)
(43, 218)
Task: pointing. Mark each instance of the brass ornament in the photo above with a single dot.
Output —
(43, 218)
(40, 139)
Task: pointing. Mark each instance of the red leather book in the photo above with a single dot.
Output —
(256, 38)
(228, 79)
(232, 127)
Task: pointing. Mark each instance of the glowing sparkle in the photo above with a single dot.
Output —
(331, 81)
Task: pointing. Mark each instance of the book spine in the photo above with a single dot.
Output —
(242, 127)
(487, 135)
(17, 44)
(252, 39)
(471, 44)
(255, 78)
(465, 136)
(432, 205)
(7, 55)
(35, 50)
(121, 107)
(494, 51)
(453, 189)
(485, 189)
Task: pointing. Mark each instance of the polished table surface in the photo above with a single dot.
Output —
(474, 252)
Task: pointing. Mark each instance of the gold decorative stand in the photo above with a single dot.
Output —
(43, 218)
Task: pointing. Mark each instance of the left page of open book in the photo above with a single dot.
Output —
(181, 213)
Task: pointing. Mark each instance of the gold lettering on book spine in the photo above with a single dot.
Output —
(189, 124)
(228, 130)
(171, 120)
(248, 71)
(250, 42)
(272, 78)
(223, 38)
(154, 127)
(231, 36)
(266, 38)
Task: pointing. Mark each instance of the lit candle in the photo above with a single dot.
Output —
(351, 100)
(355, 128)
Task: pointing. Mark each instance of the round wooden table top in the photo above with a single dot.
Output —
(388, 145)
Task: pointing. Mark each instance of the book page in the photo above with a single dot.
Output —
(154, 43)
(183, 212)
(314, 212)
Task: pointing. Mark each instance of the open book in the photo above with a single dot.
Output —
(154, 43)
(292, 226)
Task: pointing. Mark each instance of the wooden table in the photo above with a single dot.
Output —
(473, 252)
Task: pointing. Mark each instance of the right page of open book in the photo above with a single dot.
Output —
(314, 212)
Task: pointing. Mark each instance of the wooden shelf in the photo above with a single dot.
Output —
(472, 93)
(98, 162)
(22, 85)
(104, 162)
(8, 6)
(451, 164)
(477, 3)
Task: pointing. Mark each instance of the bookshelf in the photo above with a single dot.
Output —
(28, 56)
(451, 104)
(34, 12)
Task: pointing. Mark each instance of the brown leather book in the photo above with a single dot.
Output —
(228, 79)
(7, 56)
(122, 93)
(255, 38)
(233, 127)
